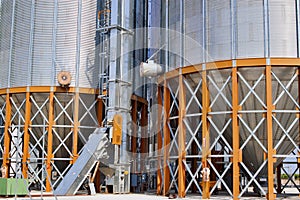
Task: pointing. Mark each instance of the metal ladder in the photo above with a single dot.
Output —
(103, 23)
(104, 16)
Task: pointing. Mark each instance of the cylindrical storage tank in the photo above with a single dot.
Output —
(232, 65)
(239, 29)
(38, 41)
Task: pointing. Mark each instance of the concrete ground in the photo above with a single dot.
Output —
(138, 197)
(48, 196)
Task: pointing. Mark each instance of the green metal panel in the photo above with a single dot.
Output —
(12, 186)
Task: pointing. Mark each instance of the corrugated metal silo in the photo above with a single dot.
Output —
(45, 125)
(230, 92)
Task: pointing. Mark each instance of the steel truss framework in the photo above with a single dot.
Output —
(212, 117)
(290, 169)
(43, 130)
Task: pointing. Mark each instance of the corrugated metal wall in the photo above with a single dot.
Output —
(231, 32)
(48, 37)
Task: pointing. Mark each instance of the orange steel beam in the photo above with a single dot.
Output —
(159, 141)
(7, 136)
(144, 139)
(26, 136)
(134, 134)
(50, 141)
(235, 135)
(270, 107)
(75, 128)
(223, 64)
(166, 139)
(100, 106)
(218, 65)
(99, 113)
(252, 62)
(44, 89)
(205, 133)
(191, 69)
(285, 61)
(181, 140)
(139, 99)
(169, 75)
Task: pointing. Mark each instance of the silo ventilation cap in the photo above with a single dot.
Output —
(64, 78)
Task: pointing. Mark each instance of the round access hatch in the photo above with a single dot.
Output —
(64, 78)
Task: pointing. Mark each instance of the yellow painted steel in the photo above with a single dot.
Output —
(26, 136)
(235, 135)
(181, 140)
(117, 129)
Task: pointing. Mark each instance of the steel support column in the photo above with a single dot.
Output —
(159, 141)
(26, 136)
(270, 106)
(100, 112)
(166, 138)
(96, 175)
(235, 135)
(134, 134)
(181, 140)
(144, 139)
(7, 136)
(50, 141)
(205, 133)
(75, 128)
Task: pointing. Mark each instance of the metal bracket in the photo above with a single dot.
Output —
(115, 26)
